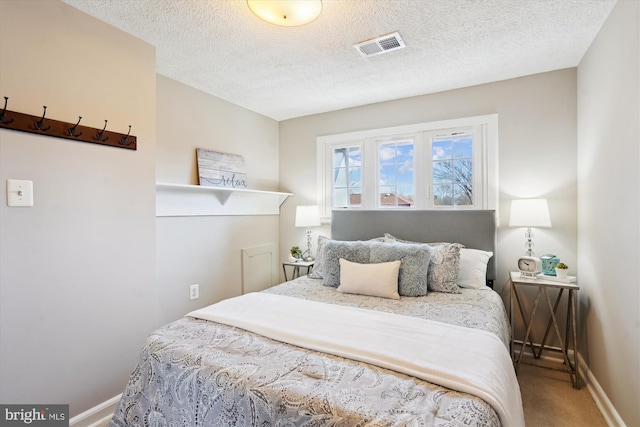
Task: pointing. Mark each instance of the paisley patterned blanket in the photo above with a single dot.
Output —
(195, 372)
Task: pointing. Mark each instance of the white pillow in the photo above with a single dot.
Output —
(473, 268)
(376, 280)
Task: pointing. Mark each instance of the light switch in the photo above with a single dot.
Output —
(19, 192)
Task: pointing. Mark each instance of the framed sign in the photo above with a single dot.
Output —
(217, 169)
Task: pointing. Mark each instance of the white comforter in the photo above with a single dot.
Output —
(459, 358)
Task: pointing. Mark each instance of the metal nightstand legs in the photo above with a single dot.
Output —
(570, 363)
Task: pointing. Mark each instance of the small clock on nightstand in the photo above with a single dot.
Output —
(529, 266)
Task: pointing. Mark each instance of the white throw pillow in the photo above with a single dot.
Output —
(376, 280)
(473, 268)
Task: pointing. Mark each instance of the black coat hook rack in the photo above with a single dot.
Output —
(57, 129)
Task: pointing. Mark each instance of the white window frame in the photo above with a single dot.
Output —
(331, 168)
(485, 191)
(479, 189)
(417, 149)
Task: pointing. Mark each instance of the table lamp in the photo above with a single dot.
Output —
(529, 213)
(307, 216)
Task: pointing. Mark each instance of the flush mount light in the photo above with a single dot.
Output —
(286, 13)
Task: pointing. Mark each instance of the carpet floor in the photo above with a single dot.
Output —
(549, 400)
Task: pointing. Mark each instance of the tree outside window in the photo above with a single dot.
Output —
(453, 170)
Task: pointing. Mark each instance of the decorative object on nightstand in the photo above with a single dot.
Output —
(529, 213)
(562, 270)
(529, 266)
(295, 254)
(549, 262)
(307, 216)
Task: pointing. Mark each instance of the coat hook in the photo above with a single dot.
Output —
(72, 131)
(3, 115)
(40, 124)
(99, 135)
(125, 139)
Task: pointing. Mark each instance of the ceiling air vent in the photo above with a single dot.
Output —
(381, 44)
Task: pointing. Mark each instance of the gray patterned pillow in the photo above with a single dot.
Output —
(355, 251)
(318, 266)
(443, 266)
(412, 279)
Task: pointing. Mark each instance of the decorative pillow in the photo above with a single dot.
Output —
(473, 268)
(388, 238)
(443, 266)
(354, 251)
(318, 267)
(376, 280)
(412, 279)
(316, 273)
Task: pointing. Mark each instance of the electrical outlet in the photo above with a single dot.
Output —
(194, 291)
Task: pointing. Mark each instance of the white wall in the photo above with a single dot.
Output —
(537, 153)
(207, 250)
(609, 207)
(77, 275)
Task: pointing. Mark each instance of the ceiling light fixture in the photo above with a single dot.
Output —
(286, 13)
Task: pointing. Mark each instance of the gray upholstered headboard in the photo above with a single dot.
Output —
(475, 229)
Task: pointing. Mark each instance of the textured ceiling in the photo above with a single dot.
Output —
(220, 47)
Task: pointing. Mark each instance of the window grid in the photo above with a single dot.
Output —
(453, 170)
(482, 190)
(347, 176)
(396, 183)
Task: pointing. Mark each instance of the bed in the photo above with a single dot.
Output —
(305, 353)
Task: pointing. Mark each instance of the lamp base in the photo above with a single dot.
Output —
(308, 244)
(529, 243)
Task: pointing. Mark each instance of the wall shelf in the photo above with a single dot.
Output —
(197, 200)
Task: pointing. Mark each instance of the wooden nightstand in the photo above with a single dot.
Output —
(296, 268)
(544, 286)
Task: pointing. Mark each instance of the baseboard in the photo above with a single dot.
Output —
(97, 415)
(603, 403)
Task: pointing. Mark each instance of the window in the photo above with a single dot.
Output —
(395, 174)
(453, 170)
(347, 176)
(450, 164)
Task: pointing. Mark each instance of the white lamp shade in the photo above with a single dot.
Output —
(530, 213)
(307, 216)
(286, 13)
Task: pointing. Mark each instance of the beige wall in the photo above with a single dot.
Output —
(537, 153)
(83, 280)
(609, 207)
(89, 270)
(207, 250)
(190, 119)
(77, 276)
